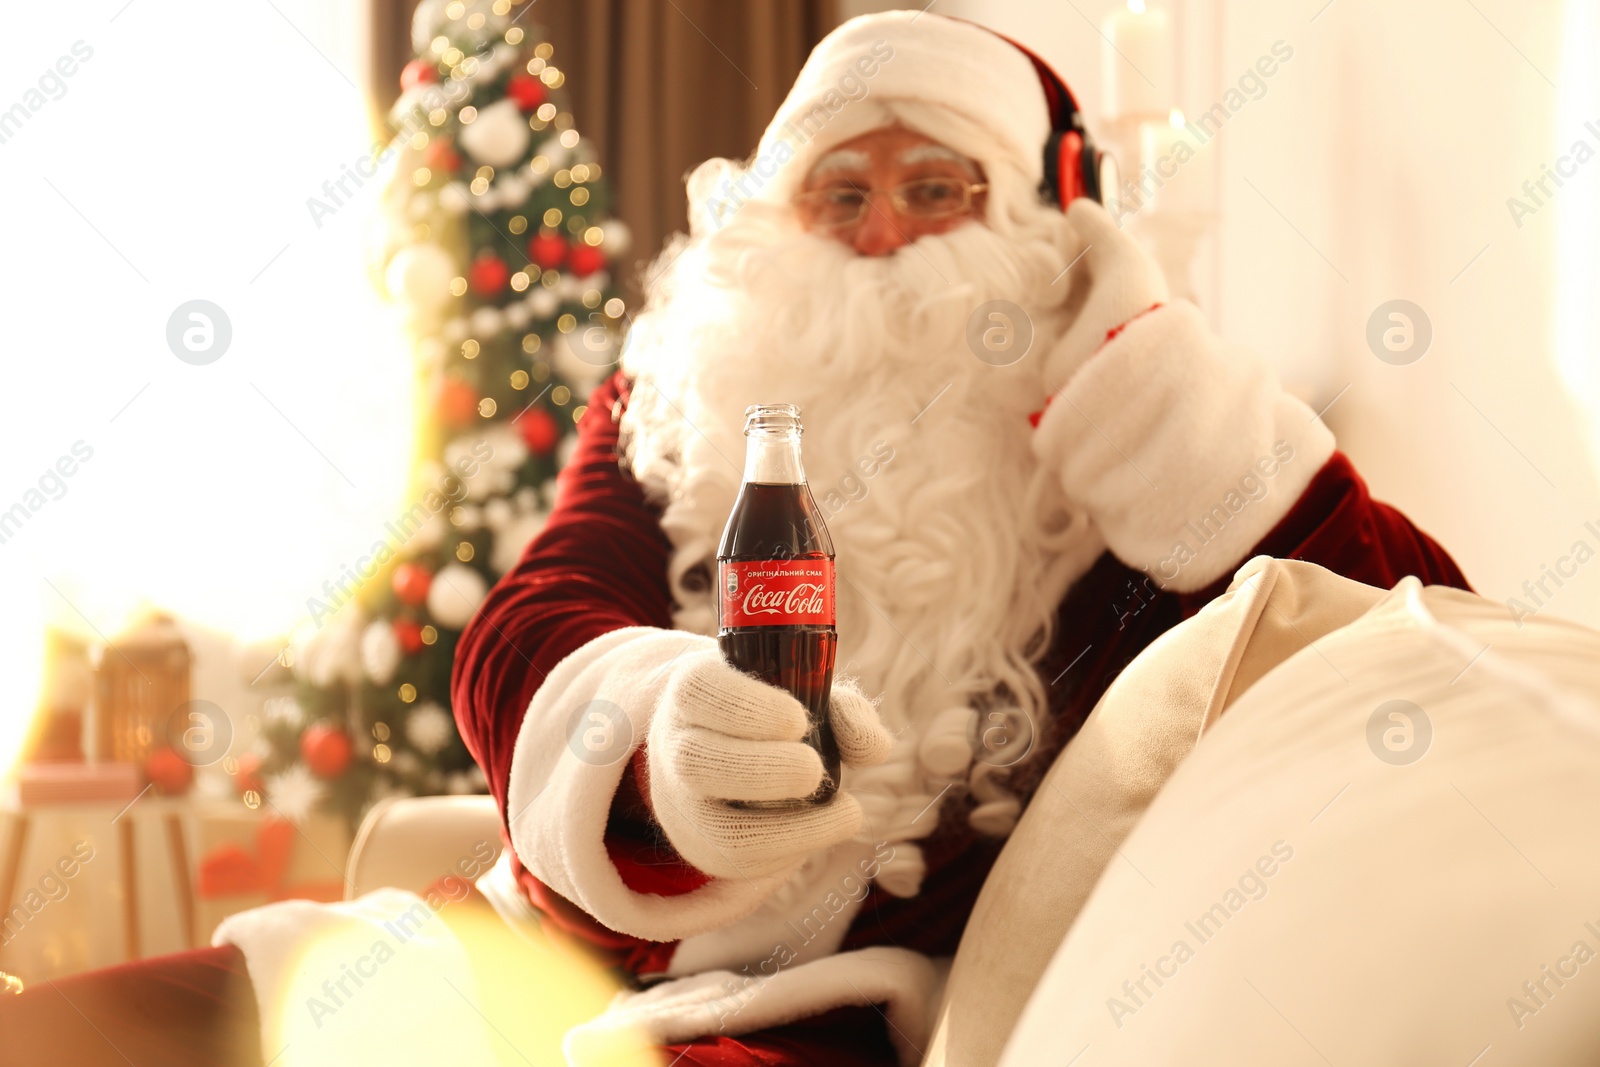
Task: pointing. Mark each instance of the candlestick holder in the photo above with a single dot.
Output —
(1172, 237)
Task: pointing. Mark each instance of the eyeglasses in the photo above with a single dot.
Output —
(839, 206)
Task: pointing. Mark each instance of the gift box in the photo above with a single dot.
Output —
(253, 857)
(89, 884)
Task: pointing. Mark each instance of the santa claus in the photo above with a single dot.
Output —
(1031, 462)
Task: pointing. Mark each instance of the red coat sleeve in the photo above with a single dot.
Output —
(599, 564)
(1336, 524)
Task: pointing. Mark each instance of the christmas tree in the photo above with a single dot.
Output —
(497, 250)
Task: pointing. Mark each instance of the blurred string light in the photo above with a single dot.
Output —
(1577, 303)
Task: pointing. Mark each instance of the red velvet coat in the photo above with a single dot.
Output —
(600, 564)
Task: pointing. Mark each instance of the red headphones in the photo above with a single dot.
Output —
(1073, 166)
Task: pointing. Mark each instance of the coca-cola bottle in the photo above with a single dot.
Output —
(775, 611)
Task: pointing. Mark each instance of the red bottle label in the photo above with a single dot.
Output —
(776, 592)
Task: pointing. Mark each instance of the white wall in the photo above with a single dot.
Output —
(1382, 156)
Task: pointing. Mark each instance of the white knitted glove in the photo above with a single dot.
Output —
(1113, 280)
(719, 734)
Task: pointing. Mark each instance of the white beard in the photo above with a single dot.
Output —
(953, 553)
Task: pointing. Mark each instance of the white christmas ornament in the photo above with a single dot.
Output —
(475, 25)
(484, 460)
(380, 652)
(486, 322)
(513, 190)
(430, 533)
(332, 654)
(556, 152)
(421, 274)
(456, 592)
(543, 303)
(564, 450)
(428, 728)
(512, 537)
(295, 793)
(584, 356)
(615, 237)
(285, 711)
(455, 198)
(406, 764)
(498, 136)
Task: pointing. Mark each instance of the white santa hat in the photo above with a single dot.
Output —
(987, 103)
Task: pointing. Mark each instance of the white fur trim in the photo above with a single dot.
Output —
(907, 984)
(1167, 433)
(501, 889)
(295, 946)
(558, 803)
(905, 55)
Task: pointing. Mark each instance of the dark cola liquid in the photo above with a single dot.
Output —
(782, 522)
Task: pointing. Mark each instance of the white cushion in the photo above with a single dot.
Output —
(1143, 727)
(1359, 908)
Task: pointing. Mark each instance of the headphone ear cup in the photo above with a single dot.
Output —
(1074, 167)
(1099, 171)
(1070, 182)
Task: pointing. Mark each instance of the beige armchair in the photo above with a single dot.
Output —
(412, 842)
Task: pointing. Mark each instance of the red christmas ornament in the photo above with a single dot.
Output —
(526, 90)
(326, 749)
(418, 72)
(585, 260)
(548, 250)
(409, 633)
(538, 430)
(248, 775)
(456, 403)
(411, 583)
(169, 772)
(441, 156)
(488, 275)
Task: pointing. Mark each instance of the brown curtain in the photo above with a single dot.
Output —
(656, 85)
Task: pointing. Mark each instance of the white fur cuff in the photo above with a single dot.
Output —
(1183, 448)
(586, 721)
(907, 983)
(359, 981)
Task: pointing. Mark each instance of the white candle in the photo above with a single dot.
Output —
(1172, 169)
(1136, 62)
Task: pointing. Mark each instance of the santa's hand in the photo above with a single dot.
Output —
(720, 735)
(1112, 281)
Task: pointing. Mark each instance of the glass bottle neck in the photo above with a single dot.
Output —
(773, 458)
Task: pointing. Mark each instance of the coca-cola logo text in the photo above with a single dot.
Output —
(785, 592)
(803, 599)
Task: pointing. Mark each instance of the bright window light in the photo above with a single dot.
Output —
(153, 154)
